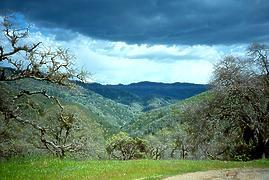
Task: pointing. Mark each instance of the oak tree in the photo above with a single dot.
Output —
(20, 58)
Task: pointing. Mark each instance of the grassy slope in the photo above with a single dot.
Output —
(50, 168)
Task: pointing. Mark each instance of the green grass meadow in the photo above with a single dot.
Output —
(52, 168)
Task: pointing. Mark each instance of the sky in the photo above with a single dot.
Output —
(126, 41)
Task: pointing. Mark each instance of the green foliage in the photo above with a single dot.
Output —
(122, 146)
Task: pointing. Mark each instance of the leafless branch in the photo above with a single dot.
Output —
(25, 92)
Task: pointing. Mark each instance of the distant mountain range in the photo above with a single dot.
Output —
(146, 95)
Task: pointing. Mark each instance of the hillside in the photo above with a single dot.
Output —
(165, 128)
(164, 117)
(113, 115)
(110, 114)
(146, 95)
(19, 138)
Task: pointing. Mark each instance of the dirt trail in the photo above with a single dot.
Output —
(235, 174)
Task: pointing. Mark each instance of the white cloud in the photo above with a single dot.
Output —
(118, 62)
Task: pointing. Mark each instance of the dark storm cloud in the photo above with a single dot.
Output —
(153, 21)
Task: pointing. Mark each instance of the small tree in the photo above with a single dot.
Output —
(122, 146)
(180, 142)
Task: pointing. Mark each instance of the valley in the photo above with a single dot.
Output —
(106, 116)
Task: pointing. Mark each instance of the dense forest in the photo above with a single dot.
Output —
(47, 108)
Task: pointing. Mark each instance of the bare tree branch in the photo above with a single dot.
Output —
(25, 92)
